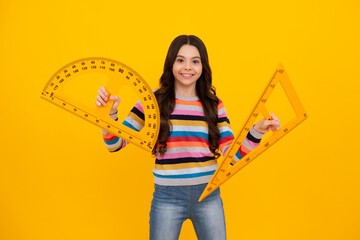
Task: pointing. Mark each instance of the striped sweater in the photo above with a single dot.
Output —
(188, 159)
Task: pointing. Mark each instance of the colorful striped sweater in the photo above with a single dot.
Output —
(188, 159)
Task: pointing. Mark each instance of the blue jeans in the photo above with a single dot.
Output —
(172, 205)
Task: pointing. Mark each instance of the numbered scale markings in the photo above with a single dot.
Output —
(227, 169)
(119, 74)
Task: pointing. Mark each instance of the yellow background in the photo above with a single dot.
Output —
(57, 180)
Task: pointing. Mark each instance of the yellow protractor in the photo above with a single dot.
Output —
(227, 169)
(118, 75)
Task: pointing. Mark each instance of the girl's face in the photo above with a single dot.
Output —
(187, 69)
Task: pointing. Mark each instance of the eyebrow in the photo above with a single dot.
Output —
(191, 58)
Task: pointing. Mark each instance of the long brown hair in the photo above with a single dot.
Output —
(206, 93)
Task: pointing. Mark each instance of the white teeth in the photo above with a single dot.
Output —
(187, 75)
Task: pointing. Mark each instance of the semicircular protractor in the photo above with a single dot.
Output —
(81, 73)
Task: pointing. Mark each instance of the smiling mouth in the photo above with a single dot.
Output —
(186, 75)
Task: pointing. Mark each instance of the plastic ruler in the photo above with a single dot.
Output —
(227, 169)
(119, 74)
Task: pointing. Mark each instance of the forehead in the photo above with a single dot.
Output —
(189, 51)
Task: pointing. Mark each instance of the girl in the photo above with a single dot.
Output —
(193, 128)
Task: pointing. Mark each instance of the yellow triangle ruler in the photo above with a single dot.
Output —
(118, 75)
(227, 169)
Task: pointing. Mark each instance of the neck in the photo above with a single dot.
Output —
(185, 91)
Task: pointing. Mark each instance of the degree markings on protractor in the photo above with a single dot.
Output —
(119, 74)
(226, 169)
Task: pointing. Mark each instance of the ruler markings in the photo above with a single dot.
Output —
(226, 169)
(145, 138)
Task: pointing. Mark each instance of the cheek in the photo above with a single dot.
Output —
(199, 70)
(175, 69)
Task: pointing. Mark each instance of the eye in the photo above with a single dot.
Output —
(196, 61)
(180, 60)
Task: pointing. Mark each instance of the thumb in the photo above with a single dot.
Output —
(116, 100)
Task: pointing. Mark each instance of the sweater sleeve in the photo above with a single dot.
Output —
(251, 141)
(135, 120)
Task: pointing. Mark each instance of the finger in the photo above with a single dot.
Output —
(273, 117)
(99, 104)
(102, 95)
(115, 99)
(115, 105)
(275, 125)
(100, 100)
(274, 122)
(103, 90)
(267, 123)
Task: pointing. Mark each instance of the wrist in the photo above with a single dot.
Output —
(255, 134)
(113, 115)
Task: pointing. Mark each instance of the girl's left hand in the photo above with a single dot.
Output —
(263, 126)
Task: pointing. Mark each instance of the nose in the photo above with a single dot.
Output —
(187, 66)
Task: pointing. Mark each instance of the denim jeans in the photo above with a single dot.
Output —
(172, 205)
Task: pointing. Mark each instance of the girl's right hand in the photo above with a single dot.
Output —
(102, 99)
